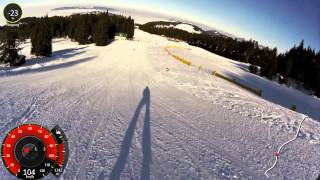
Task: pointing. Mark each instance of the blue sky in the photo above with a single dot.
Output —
(275, 23)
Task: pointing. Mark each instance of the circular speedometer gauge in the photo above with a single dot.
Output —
(30, 151)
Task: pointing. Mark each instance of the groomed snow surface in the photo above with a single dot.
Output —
(130, 110)
(271, 91)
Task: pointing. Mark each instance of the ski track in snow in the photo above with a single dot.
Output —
(200, 127)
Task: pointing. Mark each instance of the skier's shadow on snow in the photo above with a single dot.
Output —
(127, 141)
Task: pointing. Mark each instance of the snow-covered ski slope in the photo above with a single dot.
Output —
(130, 110)
(271, 90)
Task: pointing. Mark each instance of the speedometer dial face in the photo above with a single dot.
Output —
(30, 151)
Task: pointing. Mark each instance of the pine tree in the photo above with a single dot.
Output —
(112, 31)
(82, 32)
(9, 48)
(100, 35)
(72, 26)
(41, 39)
(130, 27)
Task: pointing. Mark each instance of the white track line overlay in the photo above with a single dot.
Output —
(279, 149)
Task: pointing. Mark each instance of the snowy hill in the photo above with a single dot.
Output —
(185, 27)
(271, 90)
(143, 113)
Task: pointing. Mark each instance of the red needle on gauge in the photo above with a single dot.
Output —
(26, 150)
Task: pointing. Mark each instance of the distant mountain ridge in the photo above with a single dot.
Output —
(83, 7)
(174, 21)
(213, 32)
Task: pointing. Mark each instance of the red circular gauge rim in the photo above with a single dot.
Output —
(9, 142)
